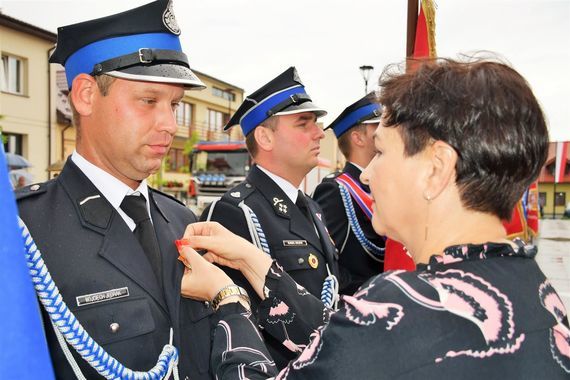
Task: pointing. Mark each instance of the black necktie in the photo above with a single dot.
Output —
(302, 204)
(135, 207)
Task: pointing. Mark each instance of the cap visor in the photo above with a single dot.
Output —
(372, 121)
(161, 73)
(303, 107)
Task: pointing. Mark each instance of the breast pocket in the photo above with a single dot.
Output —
(117, 321)
(305, 258)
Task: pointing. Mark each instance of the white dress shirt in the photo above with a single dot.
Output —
(287, 187)
(111, 188)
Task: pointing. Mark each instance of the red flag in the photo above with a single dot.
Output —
(396, 256)
(532, 209)
(424, 45)
(561, 159)
(516, 226)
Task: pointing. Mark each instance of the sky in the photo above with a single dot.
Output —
(249, 42)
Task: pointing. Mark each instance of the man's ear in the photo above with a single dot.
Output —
(83, 89)
(264, 138)
(442, 159)
(357, 138)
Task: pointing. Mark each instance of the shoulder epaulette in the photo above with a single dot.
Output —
(238, 193)
(333, 175)
(166, 195)
(32, 190)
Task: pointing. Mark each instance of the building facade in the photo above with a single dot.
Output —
(554, 197)
(25, 92)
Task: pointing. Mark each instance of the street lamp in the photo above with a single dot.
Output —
(366, 70)
(229, 93)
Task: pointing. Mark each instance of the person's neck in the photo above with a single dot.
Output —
(292, 176)
(92, 156)
(447, 228)
(359, 159)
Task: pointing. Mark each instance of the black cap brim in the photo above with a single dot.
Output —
(161, 73)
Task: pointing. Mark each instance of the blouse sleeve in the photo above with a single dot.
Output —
(333, 351)
(238, 351)
(289, 312)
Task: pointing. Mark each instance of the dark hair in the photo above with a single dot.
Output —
(486, 111)
(250, 142)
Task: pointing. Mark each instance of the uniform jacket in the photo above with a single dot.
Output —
(292, 240)
(88, 248)
(356, 265)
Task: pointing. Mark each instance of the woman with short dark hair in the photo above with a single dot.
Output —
(458, 144)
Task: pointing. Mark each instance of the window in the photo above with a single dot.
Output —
(184, 114)
(178, 161)
(226, 94)
(542, 198)
(559, 199)
(12, 74)
(12, 143)
(216, 120)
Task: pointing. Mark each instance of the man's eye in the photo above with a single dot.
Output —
(148, 100)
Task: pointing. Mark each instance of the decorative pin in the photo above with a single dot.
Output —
(276, 201)
(88, 199)
(313, 261)
(283, 208)
(236, 194)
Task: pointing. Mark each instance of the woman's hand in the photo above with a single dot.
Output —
(222, 246)
(228, 249)
(201, 280)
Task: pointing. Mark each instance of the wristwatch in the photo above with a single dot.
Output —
(229, 291)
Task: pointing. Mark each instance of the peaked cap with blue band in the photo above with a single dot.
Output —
(139, 44)
(365, 111)
(283, 95)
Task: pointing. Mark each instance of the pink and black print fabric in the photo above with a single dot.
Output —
(475, 311)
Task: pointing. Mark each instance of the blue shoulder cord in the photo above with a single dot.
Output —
(377, 253)
(66, 324)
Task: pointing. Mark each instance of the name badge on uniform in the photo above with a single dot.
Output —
(106, 295)
(294, 243)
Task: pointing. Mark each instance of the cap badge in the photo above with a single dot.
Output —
(313, 261)
(169, 20)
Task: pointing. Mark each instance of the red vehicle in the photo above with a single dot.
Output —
(216, 167)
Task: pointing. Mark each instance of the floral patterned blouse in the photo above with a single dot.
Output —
(474, 312)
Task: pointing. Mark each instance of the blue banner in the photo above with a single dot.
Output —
(23, 348)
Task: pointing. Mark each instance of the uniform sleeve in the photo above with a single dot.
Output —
(290, 313)
(328, 197)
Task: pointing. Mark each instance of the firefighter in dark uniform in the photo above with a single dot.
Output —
(343, 198)
(268, 209)
(106, 237)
